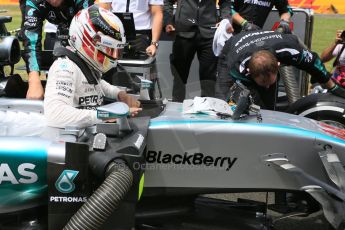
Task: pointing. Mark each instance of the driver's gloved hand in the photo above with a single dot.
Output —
(240, 94)
(284, 27)
(247, 26)
(338, 91)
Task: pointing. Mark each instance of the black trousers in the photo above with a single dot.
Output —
(181, 59)
(49, 41)
(22, 6)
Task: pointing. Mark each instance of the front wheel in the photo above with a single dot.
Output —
(323, 107)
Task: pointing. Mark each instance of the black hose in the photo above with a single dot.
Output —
(94, 213)
(290, 83)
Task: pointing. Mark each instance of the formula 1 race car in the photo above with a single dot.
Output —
(88, 173)
(151, 172)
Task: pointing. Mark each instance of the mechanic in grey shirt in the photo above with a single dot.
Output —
(194, 24)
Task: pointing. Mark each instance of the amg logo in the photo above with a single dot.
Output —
(24, 174)
(65, 199)
(190, 159)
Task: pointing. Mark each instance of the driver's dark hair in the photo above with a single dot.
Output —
(263, 63)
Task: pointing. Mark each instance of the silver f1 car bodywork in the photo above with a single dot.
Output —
(188, 150)
(200, 153)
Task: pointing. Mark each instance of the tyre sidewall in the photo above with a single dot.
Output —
(321, 107)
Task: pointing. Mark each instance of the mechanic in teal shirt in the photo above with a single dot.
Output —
(254, 58)
(58, 12)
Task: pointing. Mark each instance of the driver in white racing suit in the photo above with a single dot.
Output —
(74, 87)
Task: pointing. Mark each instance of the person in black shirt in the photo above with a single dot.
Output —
(22, 11)
(59, 12)
(251, 14)
(254, 59)
(194, 23)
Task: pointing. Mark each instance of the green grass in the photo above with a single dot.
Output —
(13, 11)
(325, 27)
(323, 33)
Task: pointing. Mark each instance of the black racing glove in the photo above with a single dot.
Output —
(240, 94)
(338, 91)
(247, 26)
(284, 27)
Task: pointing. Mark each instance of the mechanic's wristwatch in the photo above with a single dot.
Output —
(155, 44)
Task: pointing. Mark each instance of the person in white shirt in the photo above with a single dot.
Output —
(74, 87)
(148, 20)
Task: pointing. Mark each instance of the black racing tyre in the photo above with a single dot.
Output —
(323, 107)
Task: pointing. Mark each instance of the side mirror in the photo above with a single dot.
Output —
(117, 110)
(145, 85)
(113, 110)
